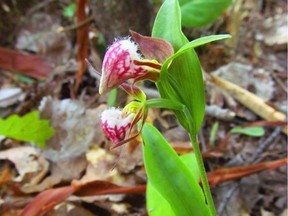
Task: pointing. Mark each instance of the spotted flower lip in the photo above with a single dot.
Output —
(122, 61)
(115, 125)
(119, 64)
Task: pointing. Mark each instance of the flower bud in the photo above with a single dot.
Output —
(115, 125)
(118, 65)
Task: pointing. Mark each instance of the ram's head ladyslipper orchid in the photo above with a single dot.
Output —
(115, 125)
(122, 62)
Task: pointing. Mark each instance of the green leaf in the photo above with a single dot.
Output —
(70, 10)
(28, 128)
(190, 161)
(167, 24)
(164, 103)
(157, 204)
(183, 82)
(213, 133)
(181, 79)
(191, 45)
(170, 176)
(197, 13)
(111, 102)
(249, 131)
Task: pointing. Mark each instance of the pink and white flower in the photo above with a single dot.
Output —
(122, 62)
(115, 125)
(119, 65)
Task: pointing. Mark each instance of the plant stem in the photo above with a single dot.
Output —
(203, 176)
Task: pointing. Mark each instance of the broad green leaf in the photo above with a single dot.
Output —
(28, 128)
(197, 13)
(167, 24)
(183, 82)
(193, 44)
(249, 131)
(182, 79)
(170, 176)
(164, 103)
(156, 204)
(190, 161)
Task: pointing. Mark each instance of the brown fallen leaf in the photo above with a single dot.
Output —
(104, 187)
(26, 160)
(30, 65)
(6, 175)
(77, 128)
(250, 100)
(227, 174)
(265, 123)
(82, 41)
(46, 200)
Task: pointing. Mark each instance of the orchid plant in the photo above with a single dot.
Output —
(168, 59)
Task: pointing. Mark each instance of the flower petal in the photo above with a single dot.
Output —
(114, 125)
(118, 64)
(153, 48)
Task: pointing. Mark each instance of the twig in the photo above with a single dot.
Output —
(39, 6)
(279, 81)
(75, 26)
(265, 144)
(240, 159)
(226, 198)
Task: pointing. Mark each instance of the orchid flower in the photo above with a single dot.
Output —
(118, 124)
(122, 62)
(115, 125)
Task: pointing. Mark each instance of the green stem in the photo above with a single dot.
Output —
(166, 103)
(204, 179)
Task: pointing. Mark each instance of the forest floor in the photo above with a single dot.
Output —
(42, 68)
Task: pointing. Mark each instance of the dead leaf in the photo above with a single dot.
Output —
(100, 167)
(6, 175)
(25, 160)
(285, 212)
(46, 200)
(10, 96)
(266, 213)
(76, 127)
(130, 155)
(226, 174)
(82, 41)
(275, 30)
(62, 171)
(44, 39)
(69, 208)
(248, 77)
(30, 65)
(250, 100)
